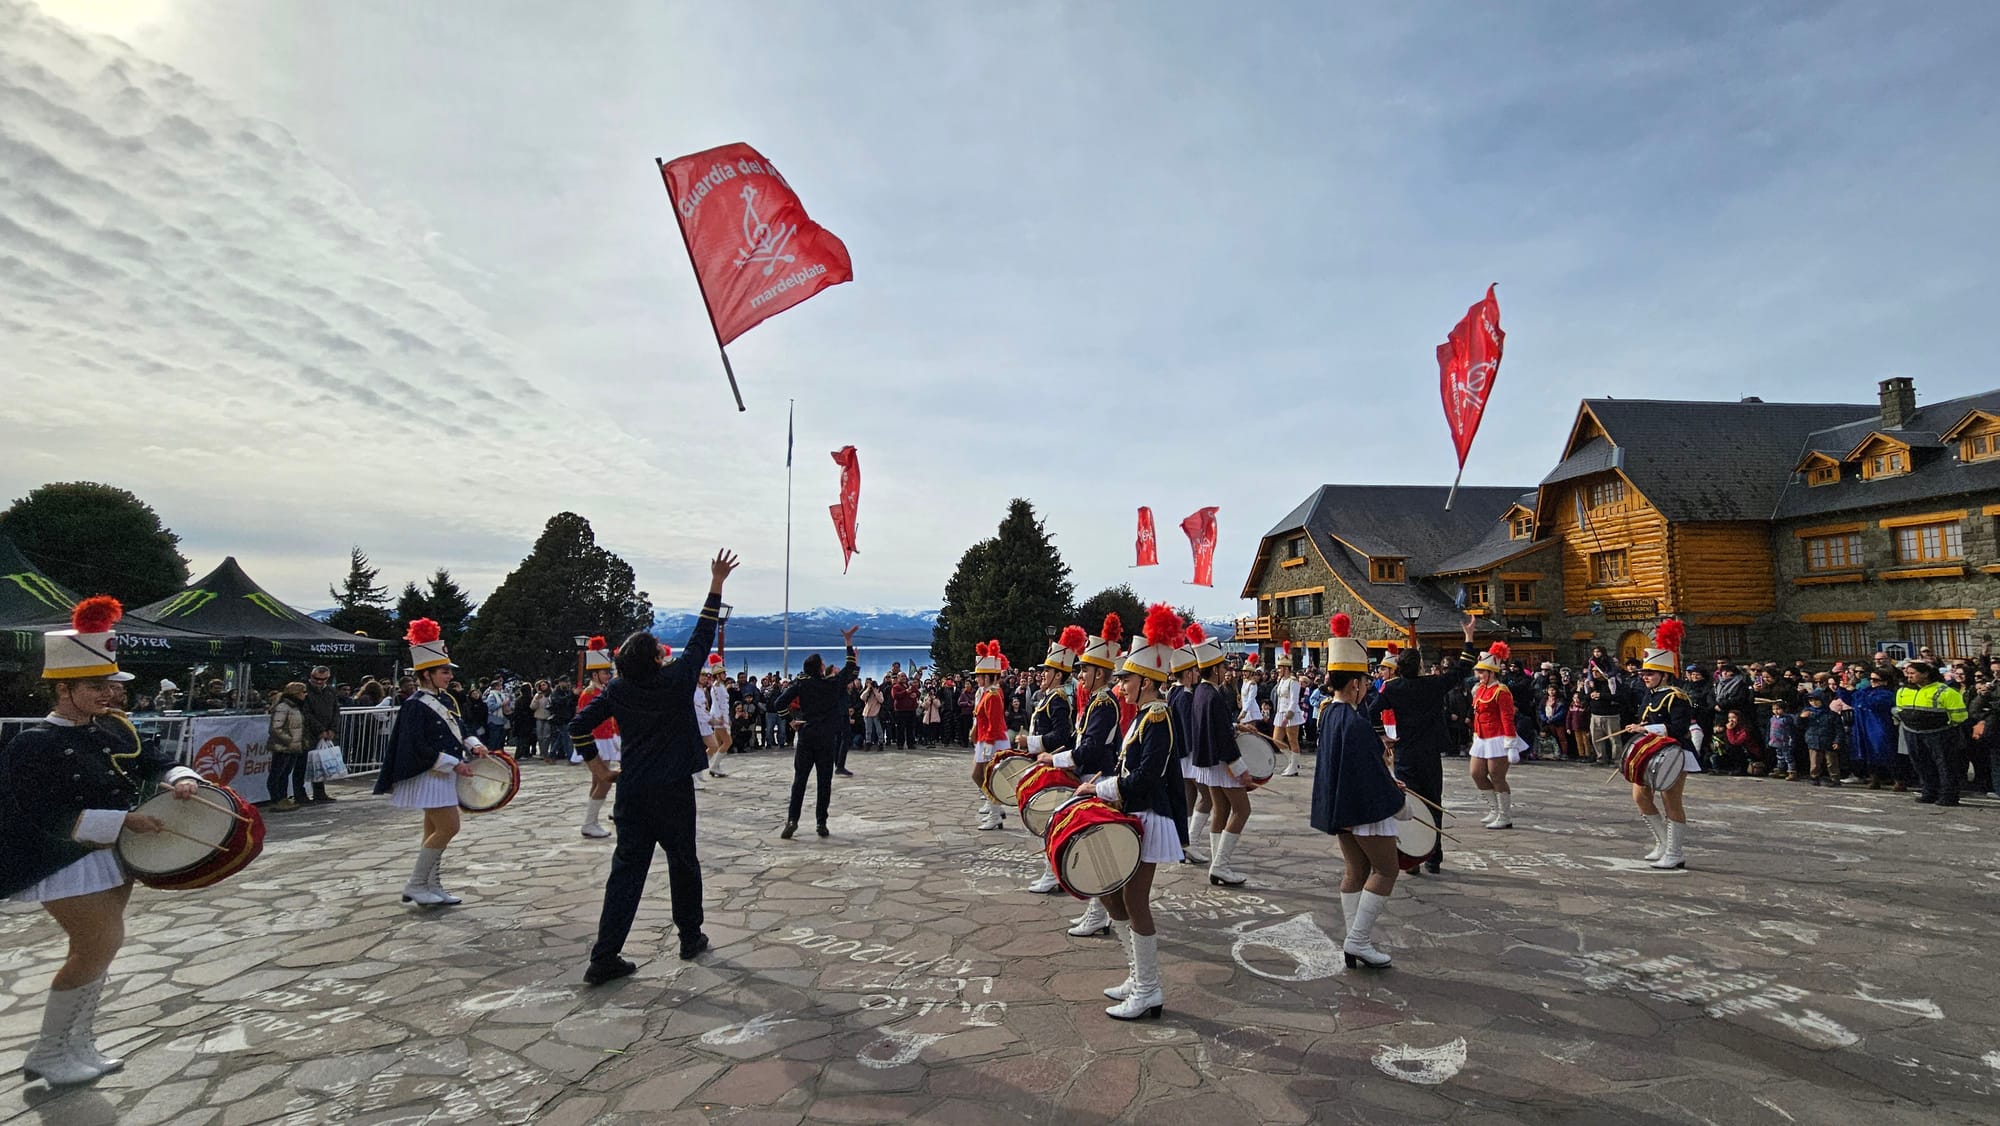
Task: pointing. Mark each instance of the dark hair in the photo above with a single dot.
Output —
(813, 666)
(1409, 664)
(639, 655)
(1341, 678)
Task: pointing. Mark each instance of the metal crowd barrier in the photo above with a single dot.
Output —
(364, 734)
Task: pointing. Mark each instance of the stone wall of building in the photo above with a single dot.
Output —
(1873, 599)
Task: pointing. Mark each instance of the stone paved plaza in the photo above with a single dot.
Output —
(1829, 958)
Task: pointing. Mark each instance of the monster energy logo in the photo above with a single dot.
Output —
(268, 604)
(39, 588)
(185, 603)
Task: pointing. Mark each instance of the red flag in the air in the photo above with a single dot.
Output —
(756, 253)
(1200, 529)
(848, 510)
(1149, 540)
(1468, 363)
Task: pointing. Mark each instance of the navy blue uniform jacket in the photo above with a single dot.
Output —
(1351, 786)
(1211, 727)
(659, 742)
(1052, 721)
(822, 704)
(415, 742)
(1097, 740)
(1148, 768)
(50, 774)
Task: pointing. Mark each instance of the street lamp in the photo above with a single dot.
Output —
(582, 642)
(722, 610)
(1410, 614)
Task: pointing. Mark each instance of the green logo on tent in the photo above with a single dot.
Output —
(268, 604)
(40, 589)
(185, 603)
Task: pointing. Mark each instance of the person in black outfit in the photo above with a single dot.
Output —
(823, 701)
(652, 699)
(1423, 734)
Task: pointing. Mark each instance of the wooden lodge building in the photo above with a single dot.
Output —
(1774, 530)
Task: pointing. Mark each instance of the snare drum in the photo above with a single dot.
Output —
(1259, 758)
(1093, 848)
(1640, 753)
(212, 836)
(1042, 791)
(1005, 775)
(494, 781)
(1416, 835)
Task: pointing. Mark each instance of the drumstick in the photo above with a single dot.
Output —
(1426, 801)
(218, 808)
(185, 837)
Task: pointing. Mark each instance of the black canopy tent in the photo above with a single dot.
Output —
(226, 601)
(32, 604)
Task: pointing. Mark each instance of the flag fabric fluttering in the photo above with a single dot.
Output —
(1200, 529)
(1468, 365)
(789, 414)
(846, 513)
(1149, 540)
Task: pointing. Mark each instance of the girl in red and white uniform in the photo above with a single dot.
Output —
(597, 666)
(989, 726)
(1493, 737)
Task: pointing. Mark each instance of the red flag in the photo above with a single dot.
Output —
(756, 253)
(1468, 363)
(847, 511)
(1149, 540)
(1200, 529)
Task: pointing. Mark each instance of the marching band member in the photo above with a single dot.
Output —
(68, 787)
(597, 667)
(426, 748)
(989, 726)
(1209, 736)
(1492, 736)
(1097, 734)
(1667, 711)
(1187, 674)
(1143, 783)
(1287, 717)
(1051, 728)
(714, 693)
(1355, 797)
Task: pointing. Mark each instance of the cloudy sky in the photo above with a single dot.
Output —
(307, 275)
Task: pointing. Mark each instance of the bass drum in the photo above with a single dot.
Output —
(212, 836)
(494, 781)
(1260, 758)
(1093, 848)
(1416, 834)
(1003, 779)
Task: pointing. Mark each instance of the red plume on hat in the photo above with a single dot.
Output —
(1500, 651)
(1073, 639)
(1195, 634)
(979, 649)
(96, 614)
(1251, 660)
(1286, 646)
(666, 651)
(1670, 634)
(714, 659)
(423, 631)
(1392, 649)
(1340, 625)
(1163, 626)
(598, 643)
(1114, 630)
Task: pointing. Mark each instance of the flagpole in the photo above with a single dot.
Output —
(790, 410)
(705, 306)
(1454, 487)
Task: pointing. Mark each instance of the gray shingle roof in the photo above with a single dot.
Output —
(1594, 456)
(1937, 472)
(1715, 461)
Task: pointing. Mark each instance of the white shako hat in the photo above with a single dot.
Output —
(596, 655)
(427, 649)
(1185, 657)
(1284, 655)
(1495, 658)
(991, 662)
(1208, 652)
(1067, 649)
(1666, 655)
(1344, 653)
(88, 649)
(1102, 650)
(1153, 657)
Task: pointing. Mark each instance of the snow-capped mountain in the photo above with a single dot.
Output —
(812, 626)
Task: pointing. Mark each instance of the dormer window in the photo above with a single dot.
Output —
(1977, 435)
(1520, 524)
(1385, 570)
(1881, 456)
(1823, 475)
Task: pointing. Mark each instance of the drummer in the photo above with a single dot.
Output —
(1355, 797)
(427, 746)
(597, 667)
(989, 727)
(68, 788)
(1051, 729)
(1218, 764)
(1143, 783)
(1097, 733)
(1667, 711)
(1180, 697)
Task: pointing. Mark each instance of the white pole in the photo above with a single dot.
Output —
(789, 412)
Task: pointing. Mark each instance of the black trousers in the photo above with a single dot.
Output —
(288, 776)
(660, 816)
(814, 754)
(1939, 759)
(906, 729)
(1425, 778)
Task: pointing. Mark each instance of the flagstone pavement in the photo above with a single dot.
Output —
(1828, 957)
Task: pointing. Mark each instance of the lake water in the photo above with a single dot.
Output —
(875, 659)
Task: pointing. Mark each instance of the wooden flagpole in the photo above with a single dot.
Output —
(700, 285)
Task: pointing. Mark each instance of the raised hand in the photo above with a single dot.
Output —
(847, 635)
(719, 570)
(1470, 626)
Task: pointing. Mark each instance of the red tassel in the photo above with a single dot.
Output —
(96, 614)
(423, 631)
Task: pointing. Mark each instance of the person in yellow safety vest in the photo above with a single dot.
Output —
(1932, 716)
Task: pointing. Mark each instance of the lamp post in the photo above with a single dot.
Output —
(582, 642)
(1410, 614)
(722, 610)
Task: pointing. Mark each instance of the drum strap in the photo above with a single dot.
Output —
(450, 718)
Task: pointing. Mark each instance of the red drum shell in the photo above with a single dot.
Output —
(1076, 825)
(476, 793)
(1053, 780)
(1005, 772)
(1259, 758)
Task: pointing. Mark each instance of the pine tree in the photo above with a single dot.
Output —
(363, 607)
(442, 600)
(1011, 588)
(97, 539)
(1121, 600)
(566, 586)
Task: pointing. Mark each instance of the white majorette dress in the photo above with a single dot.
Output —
(1492, 708)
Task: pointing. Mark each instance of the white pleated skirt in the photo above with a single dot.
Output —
(100, 871)
(1190, 771)
(1493, 746)
(429, 790)
(983, 752)
(1159, 841)
(1383, 828)
(1217, 777)
(610, 749)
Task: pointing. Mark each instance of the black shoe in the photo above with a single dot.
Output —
(790, 828)
(690, 949)
(597, 973)
(844, 773)
(822, 825)
(1947, 801)
(717, 774)
(324, 796)
(1432, 866)
(1922, 800)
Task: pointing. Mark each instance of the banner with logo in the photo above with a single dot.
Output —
(229, 749)
(1468, 364)
(1200, 529)
(847, 513)
(1148, 544)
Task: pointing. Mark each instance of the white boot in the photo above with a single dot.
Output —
(1671, 858)
(1291, 765)
(1359, 947)
(989, 816)
(1197, 833)
(1504, 819)
(1219, 871)
(58, 1057)
(1124, 988)
(86, 1039)
(1094, 921)
(591, 828)
(437, 884)
(418, 890)
(1046, 882)
(1350, 902)
(1492, 800)
(1658, 826)
(1145, 999)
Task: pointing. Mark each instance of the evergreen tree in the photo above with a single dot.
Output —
(442, 600)
(1012, 588)
(97, 539)
(1120, 600)
(362, 607)
(566, 586)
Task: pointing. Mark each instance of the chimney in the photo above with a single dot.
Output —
(1899, 401)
